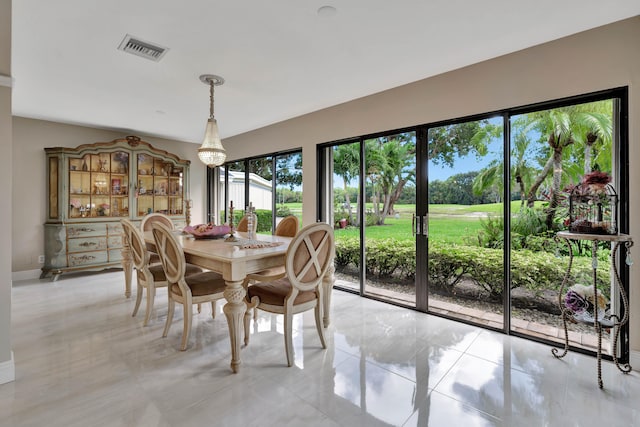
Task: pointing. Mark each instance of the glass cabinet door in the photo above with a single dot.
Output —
(98, 185)
(159, 186)
(119, 184)
(80, 187)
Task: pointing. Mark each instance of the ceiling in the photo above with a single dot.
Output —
(280, 58)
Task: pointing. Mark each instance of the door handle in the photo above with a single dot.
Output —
(416, 225)
(413, 224)
(419, 225)
(425, 225)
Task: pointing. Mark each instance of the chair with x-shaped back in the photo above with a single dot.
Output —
(300, 287)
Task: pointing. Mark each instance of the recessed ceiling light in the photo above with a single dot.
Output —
(327, 11)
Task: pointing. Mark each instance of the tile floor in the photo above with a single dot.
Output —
(82, 360)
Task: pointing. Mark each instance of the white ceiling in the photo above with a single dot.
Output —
(280, 58)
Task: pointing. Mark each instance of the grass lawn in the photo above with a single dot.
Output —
(447, 223)
(444, 229)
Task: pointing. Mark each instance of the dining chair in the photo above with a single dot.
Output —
(145, 225)
(287, 227)
(299, 289)
(204, 287)
(243, 224)
(149, 276)
(149, 219)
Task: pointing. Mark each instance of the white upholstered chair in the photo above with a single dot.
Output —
(299, 288)
(198, 288)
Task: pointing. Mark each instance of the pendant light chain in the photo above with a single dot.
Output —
(211, 83)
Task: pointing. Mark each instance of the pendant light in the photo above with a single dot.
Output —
(211, 152)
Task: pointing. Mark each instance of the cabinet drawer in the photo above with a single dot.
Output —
(114, 228)
(87, 245)
(115, 242)
(115, 255)
(87, 258)
(86, 230)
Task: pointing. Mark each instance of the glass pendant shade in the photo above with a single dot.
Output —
(211, 152)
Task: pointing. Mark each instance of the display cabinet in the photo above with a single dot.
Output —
(94, 185)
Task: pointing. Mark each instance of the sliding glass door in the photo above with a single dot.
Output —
(466, 220)
(459, 218)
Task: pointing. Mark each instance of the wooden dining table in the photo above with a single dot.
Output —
(233, 262)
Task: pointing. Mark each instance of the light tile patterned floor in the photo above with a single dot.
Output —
(82, 360)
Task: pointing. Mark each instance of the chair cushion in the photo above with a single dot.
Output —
(274, 292)
(159, 276)
(265, 273)
(154, 258)
(191, 269)
(158, 273)
(205, 283)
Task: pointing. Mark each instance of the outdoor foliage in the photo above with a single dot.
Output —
(451, 265)
(264, 219)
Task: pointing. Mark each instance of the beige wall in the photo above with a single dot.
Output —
(30, 137)
(6, 362)
(598, 59)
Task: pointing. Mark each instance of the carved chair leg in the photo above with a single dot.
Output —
(171, 308)
(151, 296)
(247, 317)
(288, 337)
(139, 291)
(186, 331)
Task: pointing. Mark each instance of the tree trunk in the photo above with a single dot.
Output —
(555, 188)
(347, 201)
(588, 152)
(395, 195)
(531, 196)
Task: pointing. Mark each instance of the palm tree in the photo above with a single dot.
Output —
(576, 125)
(346, 164)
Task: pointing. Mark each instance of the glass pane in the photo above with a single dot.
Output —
(345, 164)
(551, 153)
(390, 248)
(289, 186)
(235, 188)
(145, 187)
(119, 184)
(465, 250)
(261, 192)
(53, 187)
(79, 187)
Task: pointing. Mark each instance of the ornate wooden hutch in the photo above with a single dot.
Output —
(94, 185)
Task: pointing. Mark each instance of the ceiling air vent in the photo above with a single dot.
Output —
(141, 48)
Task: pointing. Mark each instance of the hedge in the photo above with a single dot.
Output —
(449, 265)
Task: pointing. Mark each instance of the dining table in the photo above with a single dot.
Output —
(234, 260)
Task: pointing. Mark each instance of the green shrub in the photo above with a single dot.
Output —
(283, 211)
(347, 252)
(451, 264)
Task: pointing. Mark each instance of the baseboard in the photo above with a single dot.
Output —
(25, 275)
(7, 371)
(634, 360)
